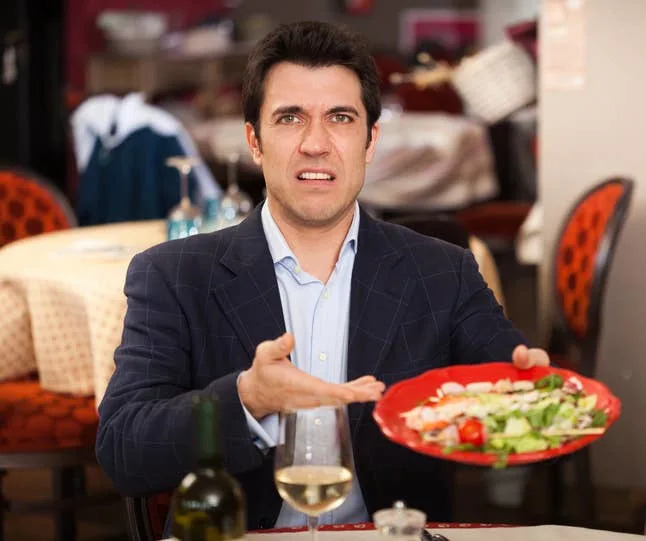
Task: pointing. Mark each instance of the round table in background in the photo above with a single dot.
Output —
(63, 303)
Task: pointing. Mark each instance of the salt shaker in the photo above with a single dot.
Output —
(399, 523)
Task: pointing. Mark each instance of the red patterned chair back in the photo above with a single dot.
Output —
(30, 205)
(584, 252)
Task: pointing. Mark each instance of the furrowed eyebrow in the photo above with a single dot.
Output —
(287, 110)
(297, 109)
(343, 109)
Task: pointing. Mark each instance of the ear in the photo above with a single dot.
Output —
(254, 144)
(374, 135)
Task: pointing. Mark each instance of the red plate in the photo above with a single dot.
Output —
(406, 394)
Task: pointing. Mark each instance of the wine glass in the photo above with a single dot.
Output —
(236, 205)
(184, 218)
(313, 467)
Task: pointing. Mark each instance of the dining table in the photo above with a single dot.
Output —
(452, 531)
(61, 294)
(63, 303)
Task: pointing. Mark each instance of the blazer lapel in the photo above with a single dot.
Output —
(250, 299)
(381, 289)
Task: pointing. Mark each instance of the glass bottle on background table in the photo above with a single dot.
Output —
(209, 504)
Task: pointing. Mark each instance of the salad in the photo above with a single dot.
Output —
(507, 416)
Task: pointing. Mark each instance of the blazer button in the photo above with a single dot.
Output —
(264, 523)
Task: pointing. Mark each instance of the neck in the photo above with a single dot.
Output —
(316, 248)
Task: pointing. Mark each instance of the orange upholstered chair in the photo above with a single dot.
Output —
(42, 429)
(584, 252)
(38, 428)
(30, 205)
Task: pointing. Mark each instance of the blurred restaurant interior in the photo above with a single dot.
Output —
(510, 127)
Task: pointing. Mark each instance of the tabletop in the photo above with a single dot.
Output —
(63, 298)
(457, 533)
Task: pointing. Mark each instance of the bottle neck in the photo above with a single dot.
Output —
(208, 449)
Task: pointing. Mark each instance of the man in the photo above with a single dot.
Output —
(365, 303)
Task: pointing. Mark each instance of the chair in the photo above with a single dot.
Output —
(446, 227)
(496, 222)
(43, 429)
(584, 252)
(441, 226)
(146, 516)
(582, 259)
(30, 205)
(39, 428)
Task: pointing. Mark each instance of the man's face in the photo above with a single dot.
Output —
(313, 149)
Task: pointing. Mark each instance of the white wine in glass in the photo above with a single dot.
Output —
(314, 467)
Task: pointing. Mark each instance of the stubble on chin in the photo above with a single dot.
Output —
(301, 214)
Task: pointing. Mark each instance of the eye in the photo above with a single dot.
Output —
(341, 118)
(288, 119)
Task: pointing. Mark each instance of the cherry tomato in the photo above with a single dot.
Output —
(472, 431)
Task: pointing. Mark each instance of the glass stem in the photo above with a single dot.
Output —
(232, 173)
(312, 526)
(185, 202)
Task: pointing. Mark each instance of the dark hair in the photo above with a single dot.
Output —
(311, 44)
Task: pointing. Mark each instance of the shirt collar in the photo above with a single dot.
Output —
(280, 250)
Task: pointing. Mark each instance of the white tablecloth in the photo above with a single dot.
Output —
(521, 533)
(429, 162)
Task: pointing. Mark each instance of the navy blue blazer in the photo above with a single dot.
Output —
(197, 309)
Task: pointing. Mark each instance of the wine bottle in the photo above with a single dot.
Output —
(209, 504)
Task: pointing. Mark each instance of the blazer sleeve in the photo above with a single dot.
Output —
(481, 332)
(145, 434)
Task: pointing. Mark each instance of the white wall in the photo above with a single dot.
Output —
(588, 134)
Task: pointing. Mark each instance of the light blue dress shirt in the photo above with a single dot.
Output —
(318, 315)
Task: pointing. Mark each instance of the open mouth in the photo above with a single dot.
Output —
(312, 175)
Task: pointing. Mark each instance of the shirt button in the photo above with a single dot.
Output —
(326, 294)
(322, 356)
(297, 269)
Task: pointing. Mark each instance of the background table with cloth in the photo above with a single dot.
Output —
(63, 304)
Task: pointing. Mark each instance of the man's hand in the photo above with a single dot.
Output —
(274, 384)
(524, 357)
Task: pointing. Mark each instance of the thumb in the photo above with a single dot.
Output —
(285, 343)
(520, 357)
(273, 350)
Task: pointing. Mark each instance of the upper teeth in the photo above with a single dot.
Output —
(315, 176)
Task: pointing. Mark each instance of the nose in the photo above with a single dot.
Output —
(316, 140)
